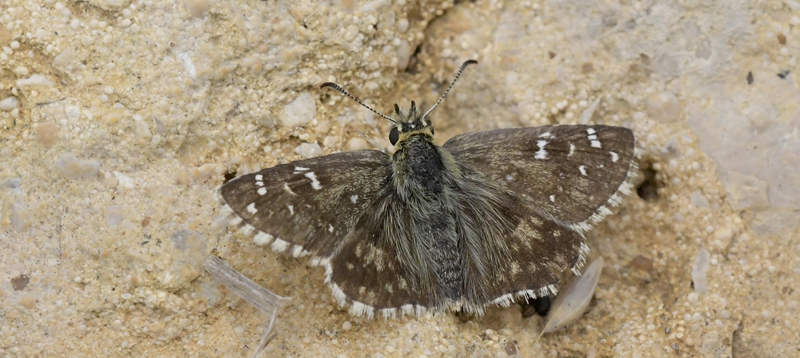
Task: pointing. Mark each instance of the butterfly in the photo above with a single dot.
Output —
(487, 218)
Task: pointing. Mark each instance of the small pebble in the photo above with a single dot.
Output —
(21, 71)
(18, 217)
(113, 215)
(36, 80)
(300, 111)
(308, 150)
(511, 349)
(699, 268)
(357, 143)
(70, 167)
(124, 181)
(663, 107)
(693, 297)
(20, 282)
(8, 104)
(642, 263)
(699, 200)
(64, 58)
(47, 133)
(347, 326)
(198, 7)
(697, 317)
(402, 25)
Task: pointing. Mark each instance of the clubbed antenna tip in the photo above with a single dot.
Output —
(458, 74)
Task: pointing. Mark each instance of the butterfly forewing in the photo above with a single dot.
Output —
(568, 173)
(307, 206)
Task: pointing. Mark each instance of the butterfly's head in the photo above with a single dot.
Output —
(408, 124)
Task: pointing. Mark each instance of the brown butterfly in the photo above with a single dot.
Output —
(486, 218)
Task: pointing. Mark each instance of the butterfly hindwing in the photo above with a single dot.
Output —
(307, 206)
(569, 173)
(521, 251)
(366, 273)
(539, 249)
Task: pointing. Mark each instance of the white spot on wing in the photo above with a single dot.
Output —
(252, 208)
(298, 170)
(338, 294)
(291, 209)
(247, 229)
(504, 300)
(593, 138)
(259, 183)
(614, 157)
(280, 245)
(262, 191)
(541, 153)
(354, 198)
(389, 312)
(314, 182)
(319, 261)
(288, 189)
(509, 178)
(262, 238)
(297, 250)
(553, 198)
(330, 228)
(571, 150)
(544, 135)
(360, 309)
(582, 169)
(259, 177)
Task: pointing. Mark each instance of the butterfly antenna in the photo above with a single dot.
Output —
(463, 66)
(344, 92)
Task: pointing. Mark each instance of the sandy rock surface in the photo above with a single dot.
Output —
(119, 118)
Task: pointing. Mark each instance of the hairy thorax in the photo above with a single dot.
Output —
(423, 185)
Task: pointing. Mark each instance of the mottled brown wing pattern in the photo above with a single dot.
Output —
(539, 250)
(525, 249)
(366, 273)
(307, 206)
(522, 197)
(568, 173)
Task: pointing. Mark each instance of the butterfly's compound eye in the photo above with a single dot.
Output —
(394, 135)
